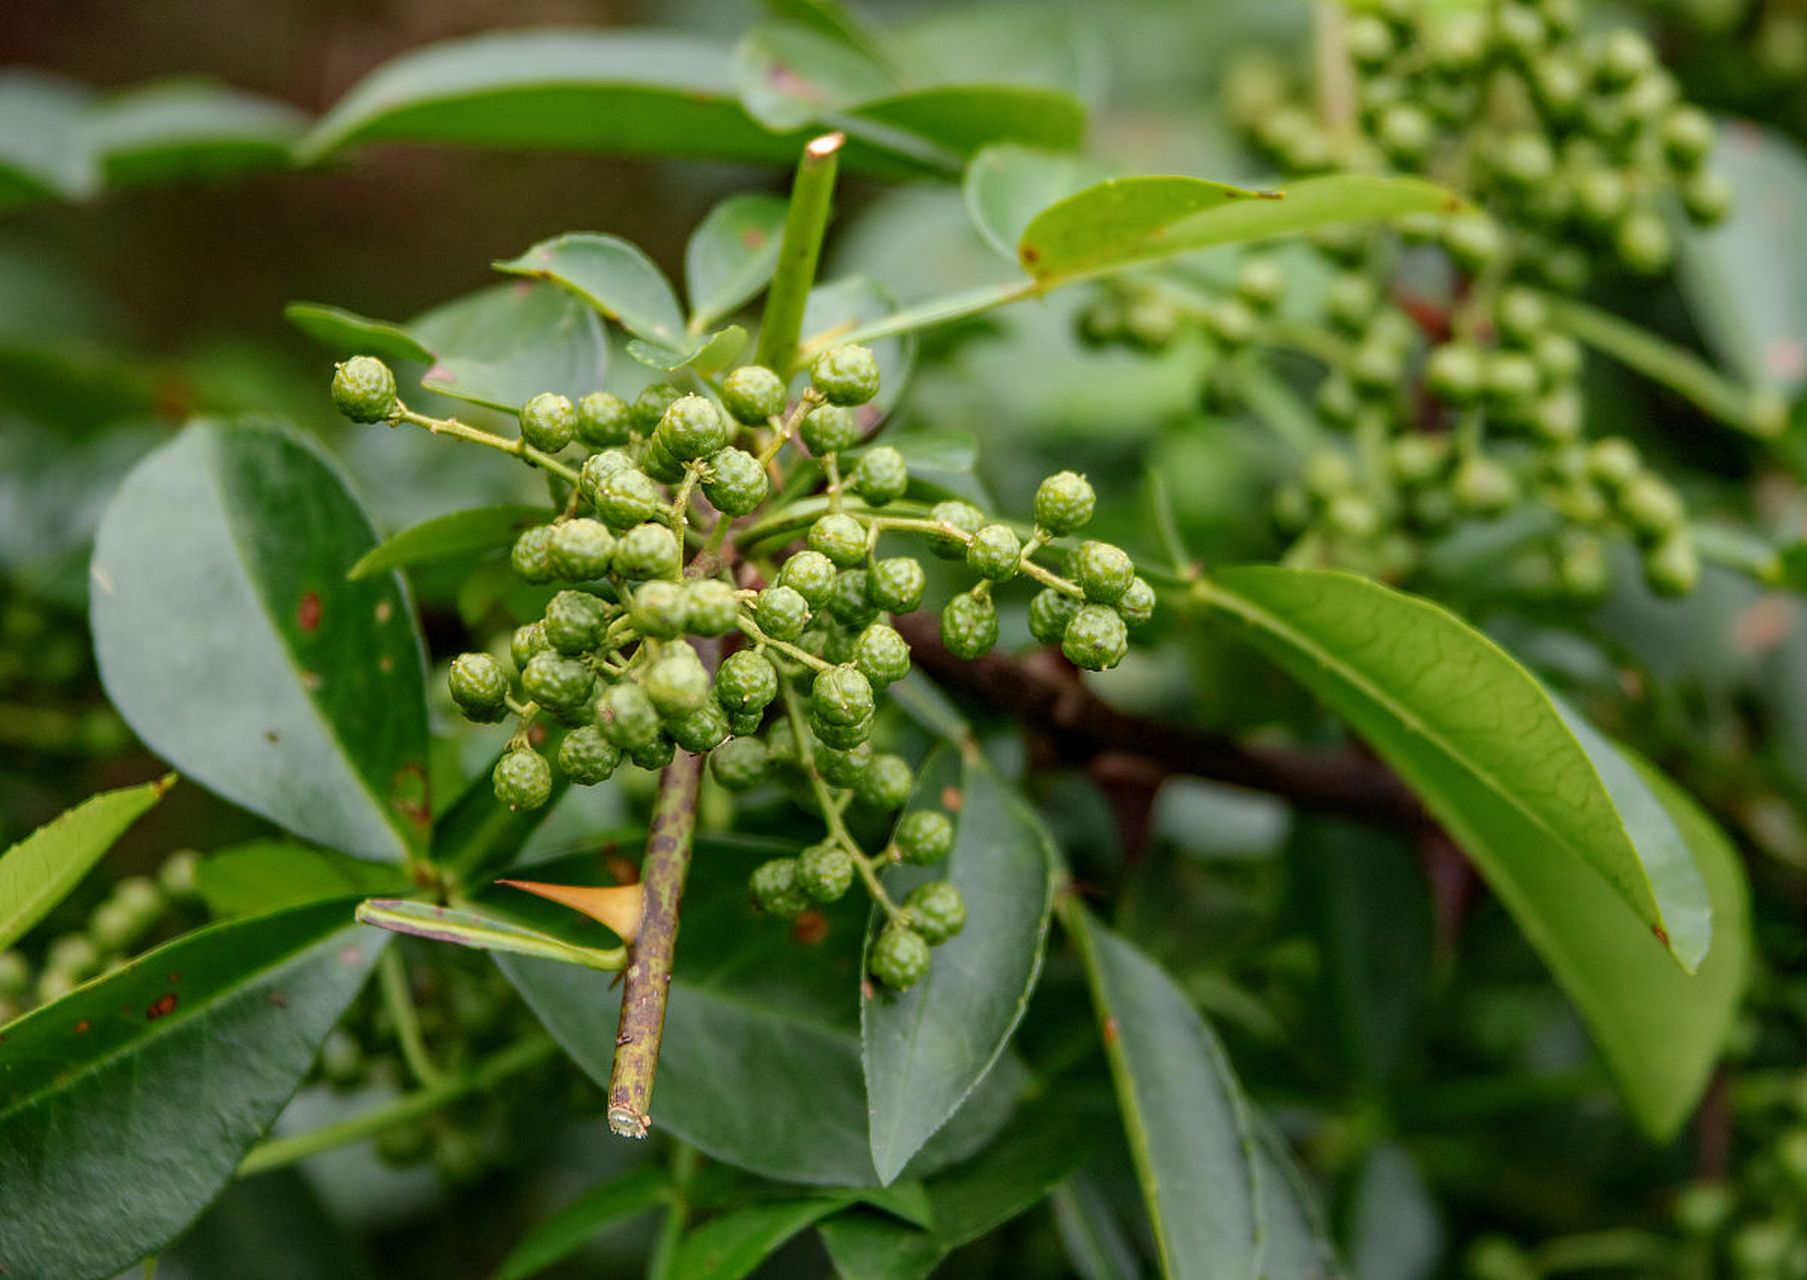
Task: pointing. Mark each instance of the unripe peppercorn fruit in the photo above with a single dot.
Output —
(840, 696)
(1096, 639)
(1064, 502)
(828, 428)
(626, 497)
(781, 612)
(523, 779)
(1050, 611)
(648, 551)
(532, 555)
(885, 786)
(881, 475)
(1103, 571)
(581, 549)
(969, 625)
(555, 681)
(734, 482)
(775, 889)
(692, 427)
(660, 609)
(824, 871)
(548, 421)
(587, 757)
(881, 654)
(936, 911)
(676, 682)
(845, 375)
(479, 686)
(899, 957)
(753, 394)
(840, 537)
(995, 553)
(573, 622)
(710, 607)
(604, 419)
(627, 716)
(364, 390)
(895, 584)
(959, 515)
(739, 764)
(652, 402)
(746, 681)
(810, 574)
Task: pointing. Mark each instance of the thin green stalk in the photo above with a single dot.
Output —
(928, 314)
(392, 977)
(278, 1153)
(812, 194)
(677, 1216)
(831, 811)
(488, 439)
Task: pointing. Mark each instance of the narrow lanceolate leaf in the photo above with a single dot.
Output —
(1431, 694)
(597, 1209)
(157, 1078)
(184, 129)
(262, 875)
(1183, 1111)
(39, 871)
(1124, 221)
(926, 1048)
(611, 275)
(731, 255)
(1599, 860)
(232, 643)
(348, 333)
(732, 1245)
(483, 933)
(476, 531)
(1297, 1244)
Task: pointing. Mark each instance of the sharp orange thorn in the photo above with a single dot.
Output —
(617, 906)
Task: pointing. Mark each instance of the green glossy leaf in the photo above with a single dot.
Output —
(602, 1206)
(791, 75)
(1038, 1150)
(866, 1246)
(732, 1245)
(502, 346)
(1095, 1243)
(44, 148)
(731, 256)
(474, 531)
(1124, 221)
(263, 875)
(1296, 1244)
(184, 129)
(476, 836)
(1394, 1225)
(1006, 186)
(1188, 1126)
(348, 333)
(230, 640)
(706, 354)
(157, 1078)
(39, 871)
(1430, 694)
(851, 303)
(611, 275)
(926, 1048)
(959, 119)
(483, 933)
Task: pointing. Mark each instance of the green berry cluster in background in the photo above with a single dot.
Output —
(693, 612)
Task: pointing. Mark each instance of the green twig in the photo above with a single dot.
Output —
(677, 1214)
(488, 439)
(398, 1002)
(804, 224)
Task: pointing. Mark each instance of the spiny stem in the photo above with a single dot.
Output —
(488, 439)
(811, 196)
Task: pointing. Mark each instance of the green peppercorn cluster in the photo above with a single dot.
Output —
(1452, 393)
(662, 550)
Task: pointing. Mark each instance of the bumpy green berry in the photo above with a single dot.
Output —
(657, 461)
(660, 609)
(745, 682)
(1096, 639)
(840, 696)
(597, 469)
(969, 625)
(627, 716)
(1483, 487)
(734, 482)
(842, 736)
(650, 405)
(692, 427)
(587, 757)
(828, 429)
(775, 889)
(604, 419)
(825, 871)
(959, 515)
(885, 786)
(1103, 571)
(626, 496)
(179, 875)
(937, 911)
(647, 551)
(676, 682)
(1650, 507)
(753, 394)
(713, 610)
(810, 574)
(881, 654)
(1049, 613)
(1064, 502)
(528, 640)
(845, 375)
(881, 475)
(899, 957)
(1643, 242)
(532, 555)
(843, 768)
(548, 421)
(573, 622)
(553, 680)
(840, 537)
(1708, 197)
(739, 764)
(781, 612)
(581, 549)
(364, 389)
(1137, 604)
(849, 601)
(895, 584)
(1260, 281)
(995, 552)
(523, 779)
(655, 755)
(479, 686)
(702, 730)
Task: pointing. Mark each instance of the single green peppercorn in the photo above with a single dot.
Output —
(1064, 502)
(1513, 381)
(775, 889)
(627, 716)
(753, 394)
(528, 640)
(1260, 281)
(1472, 239)
(885, 786)
(627, 496)
(781, 612)
(648, 551)
(843, 768)
(1614, 462)
(828, 429)
(734, 482)
(587, 757)
(1651, 507)
(881, 654)
(532, 555)
(702, 730)
(596, 470)
(654, 755)
(548, 422)
(657, 461)
(1102, 570)
(364, 390)
(1520, 316)
(840, 537)
(825, 871)
(744, 724)
(1707, 197)
(660, 609)
(739, 764)
(479, 687)
(1350, 300)
(937, 911)
(692, 427)
(1137, 603)
(845, 375)
(1049, 613)
(840, 696)
(881, 475)
(581, 549)
(574, 622)
(849, 602)
(843, 736)
(899, 957)
(1482, 487)
(745, 682)
(995, 552)
(555, 681)
(1643, 241)
(712, 608)
(604, 419)
(969, 625)
(523, 779)
(1096, 639)
(895, 584)
(810, 574)
(676, 682)
(650, 405)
